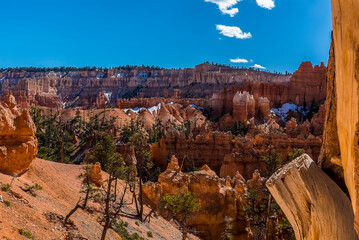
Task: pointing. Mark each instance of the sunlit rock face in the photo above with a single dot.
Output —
(18, 144)
(346, 48)
(220, 198)
(29, 91)
(97, 87)
(308, 84)
(95, 175)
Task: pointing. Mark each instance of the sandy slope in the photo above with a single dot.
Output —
(41, 215)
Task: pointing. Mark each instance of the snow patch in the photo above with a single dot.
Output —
(108, 96)
(150, 109)
(286, 107)
(196, 107)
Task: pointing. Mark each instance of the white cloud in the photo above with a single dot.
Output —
(226, 6)
(239, 60)
(236, 32)
(258, 66)
(269, 4)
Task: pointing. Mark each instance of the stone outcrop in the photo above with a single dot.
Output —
(18, 144)
(317, 122)
(226, 156)
(308, 84)
(243, 106)
(95, 174)
(291, 128)
(245, 158)
(263, 107)
(205, 149)
(40, 91)
(314, 205)
(220, 198)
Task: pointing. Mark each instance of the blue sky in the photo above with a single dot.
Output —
(277, 35)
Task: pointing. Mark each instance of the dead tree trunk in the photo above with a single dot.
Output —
(313, 203)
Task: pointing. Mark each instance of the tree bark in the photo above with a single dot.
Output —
(107, 209)
(313, 203)
(71, 212)
(268, 215)
(184, 232)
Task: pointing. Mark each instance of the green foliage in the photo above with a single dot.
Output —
(51, 131)
(181, 205)
(283, 227)
(307, 113)
(88, 187)
(7, 203)
(133, 93)
(149, 234)
(155, 174)
(239, 128)
(192, 167)
(130, 129)
(25, 233)
(156, 132)
(110, 160)
(96, 127)
(139, 141)
(255, 207)
(207, 112)
(273, 162)
(120, 228)
(32, 189)
(187, 128)
(227, 234)
(137, 223)
(5, 187)
(297, 152)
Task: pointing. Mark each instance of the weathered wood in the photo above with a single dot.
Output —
(313, 203)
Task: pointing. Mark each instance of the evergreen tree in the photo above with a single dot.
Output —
(181, 206)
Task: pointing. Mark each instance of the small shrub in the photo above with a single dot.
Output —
(181, 206)
(239, 128)
(149, 234)
(7, 203)
(227, 234)
(297, 152)
(26, 234)
(135, 236)
(5, 187)
(32, 189)
(272, 161)
(120, 228)
(137, 223)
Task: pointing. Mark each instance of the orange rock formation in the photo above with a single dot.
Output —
(220, 198)
(18, 144)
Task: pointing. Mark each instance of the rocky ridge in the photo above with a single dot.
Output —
(94, 88)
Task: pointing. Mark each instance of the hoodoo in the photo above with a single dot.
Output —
(18, 144)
